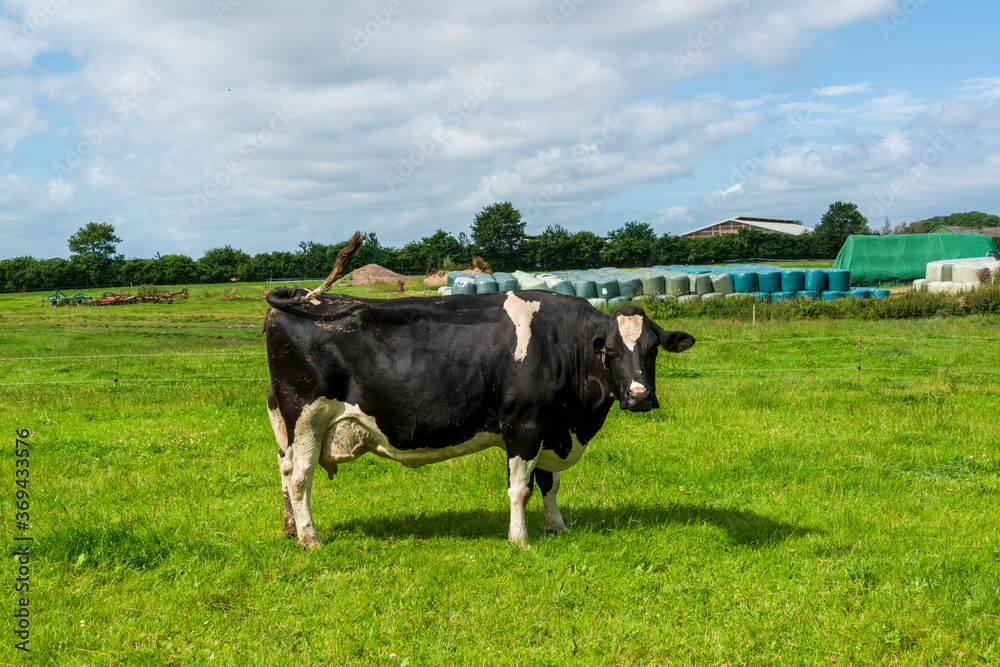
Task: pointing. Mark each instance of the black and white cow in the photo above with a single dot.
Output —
(420, 380)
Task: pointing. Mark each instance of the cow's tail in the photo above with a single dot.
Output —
(282, 297)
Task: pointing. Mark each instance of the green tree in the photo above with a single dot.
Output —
(93, 249)
(841, 220)
(497, 234)
(219, 265)
(632, 245)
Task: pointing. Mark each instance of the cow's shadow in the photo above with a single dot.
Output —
(741, 527)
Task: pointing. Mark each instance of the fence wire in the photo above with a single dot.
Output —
(676, 372)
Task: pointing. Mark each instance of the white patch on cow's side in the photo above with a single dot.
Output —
(520, 313)
(553, 517)
(630, 328)
(550, 461)
(519, 490)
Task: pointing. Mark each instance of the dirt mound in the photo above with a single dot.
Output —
(441, 277)
(373, 273)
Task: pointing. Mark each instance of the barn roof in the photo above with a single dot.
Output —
(776, 225)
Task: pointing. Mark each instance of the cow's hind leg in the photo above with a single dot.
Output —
(281, 435)
(548, 484)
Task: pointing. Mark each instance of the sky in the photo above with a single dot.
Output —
(195, 124)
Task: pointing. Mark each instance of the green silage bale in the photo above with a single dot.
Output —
(598, 303)
(607, 287)
(678, 284)
(506, 282)
(619, 300)
(688, 298)
(654, 285)
(701, 283)
(585, 288)
(562, 287)
(464, 286)
(629, 287)
(722, 283)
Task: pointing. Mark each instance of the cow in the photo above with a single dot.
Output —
(425, 379)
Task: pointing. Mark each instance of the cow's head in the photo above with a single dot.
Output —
(628, 345)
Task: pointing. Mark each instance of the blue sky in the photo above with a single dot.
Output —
(191, 124)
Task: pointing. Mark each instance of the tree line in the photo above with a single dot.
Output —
(496, 235)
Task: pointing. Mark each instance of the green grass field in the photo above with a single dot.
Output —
(780, 508)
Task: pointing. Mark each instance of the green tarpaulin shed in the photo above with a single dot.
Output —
(871, 259)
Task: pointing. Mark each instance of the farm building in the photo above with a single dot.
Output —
(955, 229)
(735, 224)
(903, 257)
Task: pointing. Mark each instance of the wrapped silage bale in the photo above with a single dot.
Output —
(807, 294)
(561, 286)
(585, 288)
(782, 296)
(933, 271)
(688, 298)
(816, 280)
(793, 281)
(678, 284)
(444, 290)
(629, 287)
(463, 286)
(968, 287)
(712, 295)
(838, 280)
(880, 293)
(654, 285)
(761, 296)
(486, 286)
(859, 293)
(598, 303)
(745, 281)
(701, 283)
(607, 287)
(920, 285)
(666, 297)
(769, 281)
(937, 287)
(968, 272)
(506, 282)
(830, 295)
(619, 300)
(722, 283)
(453, 275)
(528, 281)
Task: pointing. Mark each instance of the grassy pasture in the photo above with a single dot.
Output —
(776, 509)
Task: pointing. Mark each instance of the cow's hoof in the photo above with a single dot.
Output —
(555, 530)
(308, 538)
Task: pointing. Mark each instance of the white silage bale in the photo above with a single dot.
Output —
(968, 287)
(920, 285)
(933, 272)
(936, 286)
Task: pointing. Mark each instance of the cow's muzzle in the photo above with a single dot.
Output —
(639, 398)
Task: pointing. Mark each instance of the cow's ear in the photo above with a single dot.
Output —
(598, 342)
(675, 341)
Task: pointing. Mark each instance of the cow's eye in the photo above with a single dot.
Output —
(610, 354)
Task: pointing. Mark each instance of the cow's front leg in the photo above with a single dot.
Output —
(548, 484)
(519, 489)
(523, 446)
